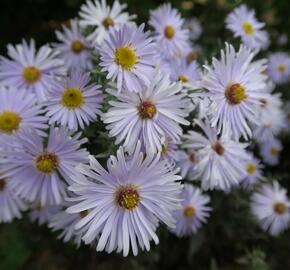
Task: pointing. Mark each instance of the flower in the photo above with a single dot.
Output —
(30, 69)
(254, 172)
(43, 167)
(75, 50)
(279, 67)
(187, 161)
(102, 18)
(193, 213)
(194, 28)
(128, 56)
(73, 101)
(169, 35)
(270, 151)
(221, 161)
(243, 23)
(126, 202)
(150, 116)
(235, 85)
(42, 214)
(270, 206)
(19, 111)
(11, 205)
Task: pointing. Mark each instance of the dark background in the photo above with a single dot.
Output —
(231, 240)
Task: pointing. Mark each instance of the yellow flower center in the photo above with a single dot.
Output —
(146, 110)
(77, 46)
(189, 211)
(248, 28)
(183, 79)
(72, 98)
(9, 122)
(127, 197)
(126, 57)
(274, 151)
(46, 163)
(107, 22)
(169, 32)
(191, 57)
(2, 184)
(218, 148)
(31, 74)
(235, 94)
(84, 213)
(164, 150)
(251, 168)
(282, 68)
(280, 208)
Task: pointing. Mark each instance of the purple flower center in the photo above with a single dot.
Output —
(127, 197)
(146, 110)
(218, 148)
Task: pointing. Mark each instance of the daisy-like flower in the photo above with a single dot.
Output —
(270, 206)
(42, 214)
(36, 170)
(254, 172)
(221, 161)
(19, 111)
(235, 85)
(279, 67)
(102, 17)
(128, 56)
(126, 202)
(150, 116)
(270, 151)
(244, 24)
(170, 37)
(11, 204)
(187, 161)
(193, 213)
(194, 28)
(75, 50)
(73, 101)
(30, 69)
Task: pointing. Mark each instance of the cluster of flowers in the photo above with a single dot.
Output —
(154, 85)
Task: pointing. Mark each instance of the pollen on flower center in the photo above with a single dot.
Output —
(164, 150)
(72, 98)
(248, 28)
(107, 22)
(46, 163)
(235, 94)
(282, 68)
(126, 57)
(189, 211)
(183, 78)
(280, 208)
(84, 213)
(218, 148)
(31, 74)
(251, 168)
(169, 32)
(146, 110)
(2, 184)
(191, 57)
(127, 197)
(274, 151)
(9, 122)
(77, 46)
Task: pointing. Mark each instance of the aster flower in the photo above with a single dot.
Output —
(73, 101)
(221, 161)
(235, 85)
(126, 202)
(150, 116)
(42, 214)
(43, 166)
(170, 37)
(194, 28)
(270, 151)
(19, 111)
(128, 56)
(193, 213)
(11, 204)
(187, 161)
(254, 172)
(102, 17)
(244, 24)
(270, 206)
(75, 50)
(30, 69)
(279, 67)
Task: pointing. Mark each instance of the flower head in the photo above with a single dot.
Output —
(194, 28)
(279, 67)
(270, 151)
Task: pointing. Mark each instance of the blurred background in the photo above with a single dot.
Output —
(231, 240)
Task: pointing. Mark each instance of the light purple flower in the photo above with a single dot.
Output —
(42, 214)
(279, 67)
(194, 28)
(270, 151)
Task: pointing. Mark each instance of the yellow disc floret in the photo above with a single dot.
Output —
(126, 57)
(9, 122)
(235, 94)
(107, 22)
(189, 211)
(46, 163)
(282, 68)
(147, 110)
(77, 46)
(31, 74)
(72, 98)
(183, 78)
(251, 168)
(248, 28)
(280, 208)
(127, 197)
(169, 32)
